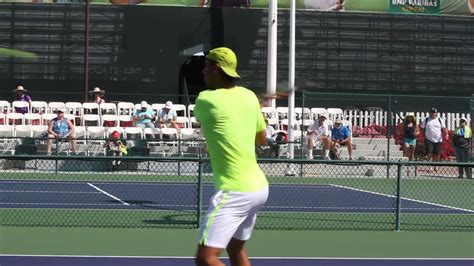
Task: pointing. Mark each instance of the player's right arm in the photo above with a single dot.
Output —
(261, 138)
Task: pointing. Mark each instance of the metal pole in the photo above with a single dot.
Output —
(389, 131)
(86, 50)
(291, 81)
(272, 49)
(199, 194)
(399, 201)
(291, 90)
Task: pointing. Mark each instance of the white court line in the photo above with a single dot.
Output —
(414, 200)
(255, 258)
(108, 194)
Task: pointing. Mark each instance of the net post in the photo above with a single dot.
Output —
(399, 201)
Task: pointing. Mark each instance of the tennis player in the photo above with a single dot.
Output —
(232, 124)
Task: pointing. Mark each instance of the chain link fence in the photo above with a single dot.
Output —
(150, 192)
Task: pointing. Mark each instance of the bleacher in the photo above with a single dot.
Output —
(94, 123)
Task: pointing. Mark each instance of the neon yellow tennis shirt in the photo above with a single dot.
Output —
(230, 119)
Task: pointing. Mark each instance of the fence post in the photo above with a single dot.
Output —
(389, 131)
(199, 194)
(399, 201)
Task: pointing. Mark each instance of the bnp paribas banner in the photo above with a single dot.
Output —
(448, 7)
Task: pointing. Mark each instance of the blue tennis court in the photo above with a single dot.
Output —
(183, 197)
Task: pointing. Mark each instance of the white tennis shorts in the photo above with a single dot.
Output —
(231, 215)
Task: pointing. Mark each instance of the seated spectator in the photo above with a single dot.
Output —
(340, 136)
(22, 97)
(271, 139)
(116, 147)
(167, 116)
(61, 129)
(98, 95)
(144, 116)
(318, 133)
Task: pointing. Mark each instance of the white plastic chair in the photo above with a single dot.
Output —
(194, 123)
(53, 106)
(38, 131)
(32, 119)
(91, 120)
(81, 135)
(169, 141)
(182, 121)
(108, 109)
(7, 143)
(303, 113)
(23, 131)
(90, 108)
(5, 107)
(96, 140)
(335, 113)
(3, 119)
(15, 119)
(282, 112)
(75, 109)
(39, 107)
(191, 110)
(316, 111)
(125, 108)
(46, 118)
(270, 112)
(110, 121)
(133, 133)
(284, 124)
(20, 104)
(156, 107)
(180, 109)
(126, 121)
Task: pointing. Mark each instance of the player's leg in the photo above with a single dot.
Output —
(310, 147)
(436, 153)
(208, 256)
(72, 139)
(237, 253)
(326, 143)
(220, 224)
(50, 143)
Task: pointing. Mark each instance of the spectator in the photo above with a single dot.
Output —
(340, 136)
(167, 116)
(61, 129)
(271, 135)
(22, 97)
(318, 133)
(98, 95)
(144, 116)
(116, 147)
(434, 129)
(410, 133)
(462, 140)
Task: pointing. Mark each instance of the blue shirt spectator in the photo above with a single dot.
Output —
(144, 116)
(340, 133)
